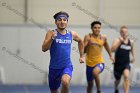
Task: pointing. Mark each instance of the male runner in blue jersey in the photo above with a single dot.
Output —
(59, 42)
(122, 48)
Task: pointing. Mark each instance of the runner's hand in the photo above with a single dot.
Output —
(81, 59)
(112, 59)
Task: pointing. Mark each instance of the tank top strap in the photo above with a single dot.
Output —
(68, 31)
(129, 42)
(101, 37)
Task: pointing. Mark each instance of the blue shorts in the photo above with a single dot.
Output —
(89, 71)
(55, 76)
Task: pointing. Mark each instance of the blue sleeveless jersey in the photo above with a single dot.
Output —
(60, 51)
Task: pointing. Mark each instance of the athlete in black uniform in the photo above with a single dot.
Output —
(122, 48)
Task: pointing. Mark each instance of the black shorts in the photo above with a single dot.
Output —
(118, 70)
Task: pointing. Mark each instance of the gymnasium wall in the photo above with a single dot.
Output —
(116, 12)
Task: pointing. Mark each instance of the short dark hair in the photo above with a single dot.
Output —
(95, 22)
(61, 13)
(122, 27)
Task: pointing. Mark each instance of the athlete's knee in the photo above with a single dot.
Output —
(117, 81)
(126, 78)
(95, 74)
(65, 82)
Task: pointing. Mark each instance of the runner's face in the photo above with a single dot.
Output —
(61, 23)
(96, 29)
(124, 32)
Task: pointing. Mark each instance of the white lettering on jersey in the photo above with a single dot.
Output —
(125, 47)
(63, 41)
